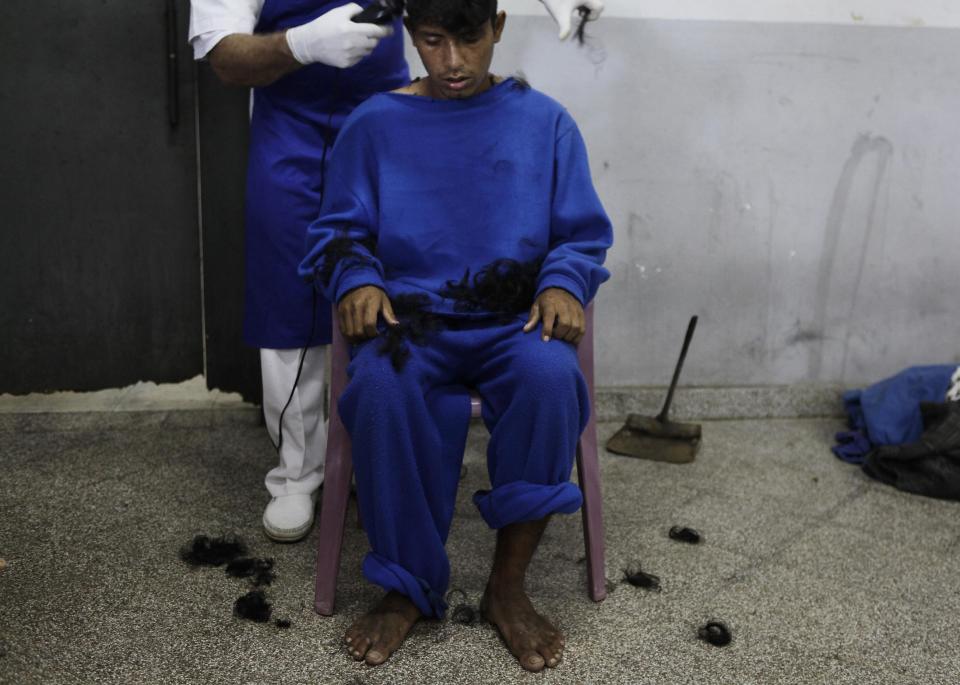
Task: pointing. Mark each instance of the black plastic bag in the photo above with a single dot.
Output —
(930, 466)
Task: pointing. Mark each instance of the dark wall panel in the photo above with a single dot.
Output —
(99, 263)
(224, 131)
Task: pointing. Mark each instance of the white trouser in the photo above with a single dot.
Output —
(300, 470)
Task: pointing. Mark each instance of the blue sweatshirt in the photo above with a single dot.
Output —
(421, 190)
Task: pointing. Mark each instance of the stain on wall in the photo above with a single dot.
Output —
(842, 262)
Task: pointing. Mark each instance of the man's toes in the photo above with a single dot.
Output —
(379, 652)
(359, 648)
(532, 661)
(376, 656)
(551, 657)
(354, 632)
(557, 644)
(552, 648)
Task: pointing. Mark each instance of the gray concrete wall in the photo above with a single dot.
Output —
(796, 185)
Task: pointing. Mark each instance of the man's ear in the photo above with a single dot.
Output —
(498, 25)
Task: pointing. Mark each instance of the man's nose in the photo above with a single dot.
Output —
(455, 61)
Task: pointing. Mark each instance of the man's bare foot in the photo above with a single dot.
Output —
(531, 637)
(376, 635)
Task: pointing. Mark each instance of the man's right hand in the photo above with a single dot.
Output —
(358, 311)
(333, 39)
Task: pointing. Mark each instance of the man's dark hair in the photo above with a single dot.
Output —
(459, 17)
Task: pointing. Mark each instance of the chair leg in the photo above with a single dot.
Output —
(588, 470)
(333, 514)
(338, 471)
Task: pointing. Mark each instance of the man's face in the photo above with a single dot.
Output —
(458, 66)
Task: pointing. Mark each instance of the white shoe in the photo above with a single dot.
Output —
(288, 518)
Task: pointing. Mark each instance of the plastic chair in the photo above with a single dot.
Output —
(339, 470)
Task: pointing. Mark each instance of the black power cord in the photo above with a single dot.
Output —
(327, 144)
(296, 379)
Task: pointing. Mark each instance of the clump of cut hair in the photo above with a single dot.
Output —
(716, 633)
(207, 551)
(688, 535)
(260, 571)
(463, 613)
(639, 578)
(459, 17)
(343, 248)
(505, 287)
(520, 82)
(416, 325)
(581, 33)
(253, 606)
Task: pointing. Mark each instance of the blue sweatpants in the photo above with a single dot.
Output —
(409, 429)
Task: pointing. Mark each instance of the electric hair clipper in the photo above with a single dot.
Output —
(380, 12)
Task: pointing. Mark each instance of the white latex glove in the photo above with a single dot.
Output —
(562, 12)
(335, 40)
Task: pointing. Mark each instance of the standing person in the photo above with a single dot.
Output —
(309, 66)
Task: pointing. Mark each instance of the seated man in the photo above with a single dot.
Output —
(461, 211)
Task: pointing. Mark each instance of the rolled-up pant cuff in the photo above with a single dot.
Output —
(392, 577)
(521, 501)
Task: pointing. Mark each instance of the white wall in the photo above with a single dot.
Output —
(932, 13)
(797, 185)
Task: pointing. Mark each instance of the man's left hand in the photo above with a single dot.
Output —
(562, 12)
(562, 316)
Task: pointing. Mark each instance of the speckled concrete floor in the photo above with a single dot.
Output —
(823, 575)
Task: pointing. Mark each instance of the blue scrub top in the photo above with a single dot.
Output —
(293, 120)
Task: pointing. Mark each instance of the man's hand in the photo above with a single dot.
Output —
(358, 311)
(333, 39)
(562, 316)
(562, 12)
